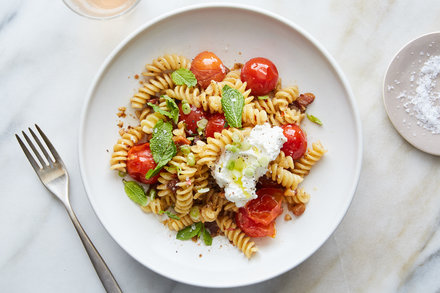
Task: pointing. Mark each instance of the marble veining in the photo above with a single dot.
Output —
(389, 241)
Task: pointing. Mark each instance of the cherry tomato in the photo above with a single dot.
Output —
(216, 123)
(139, 161)
(296, 144)
(252, 228)
(260, 74)
(267, 206)
(192, 118)
(206, 67)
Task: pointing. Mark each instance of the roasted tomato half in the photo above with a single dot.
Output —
(216, 123)
(257, 218)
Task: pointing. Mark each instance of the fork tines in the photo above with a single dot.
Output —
(38, 154)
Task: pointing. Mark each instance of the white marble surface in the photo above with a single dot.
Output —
(388, 241)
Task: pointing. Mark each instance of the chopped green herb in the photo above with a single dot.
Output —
(170, 214)
(232, 104)
(314, 119)
(184, 76)
(263, 97)
(135, 192)
(186, 149)
(191, 159)
(122, 174)
(186, 108)
(152, 193)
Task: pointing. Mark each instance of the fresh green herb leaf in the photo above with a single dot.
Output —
(135, 192)
(207, 239)
(174, 109)
(184, 76)
(189, 231)
(226, 125)
(314, 119)
(162, 146)
(263, 97)
(232, 104)
(156, 108)
(169, 214)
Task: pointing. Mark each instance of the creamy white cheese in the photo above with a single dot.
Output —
(243, 163)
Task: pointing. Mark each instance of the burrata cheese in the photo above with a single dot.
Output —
(244, 162)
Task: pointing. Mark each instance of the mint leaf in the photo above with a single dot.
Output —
(170, 214)
(173, 112)
(162, 146)
(232, 104)
(156, 108)
(174, 109)
(207, 239)
(314, 119)
(184, 76)
(135, 192)
(189, 231)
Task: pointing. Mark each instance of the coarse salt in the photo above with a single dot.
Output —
(424, 103)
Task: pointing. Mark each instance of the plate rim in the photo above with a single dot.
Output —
(246, 8)
(420, 147)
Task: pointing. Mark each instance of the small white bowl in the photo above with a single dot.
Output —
(235, 33)
(401, 81)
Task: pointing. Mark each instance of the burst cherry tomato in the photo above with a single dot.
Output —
(192, 118)
(251, 228)
(139, 161)
(216, 123)
(296, 144)
(260, 74)
(206, 67)
(267, 206)
(257, 218)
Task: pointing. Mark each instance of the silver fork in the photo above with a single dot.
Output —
(55, 178)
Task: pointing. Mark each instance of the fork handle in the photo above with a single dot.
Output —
(104, 274)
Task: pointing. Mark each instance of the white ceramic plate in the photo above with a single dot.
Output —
(401, 82)
(235, 33)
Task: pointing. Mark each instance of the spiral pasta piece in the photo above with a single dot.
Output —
(313, 155)
(290, 94)
(283, 177)
(166, 62)
(176, 225)
(288, 116)
(150, 121)
(122, 146)
(295, 196)
(142, 114)
(180, 130)
(216, 145)
(201, 181)
(230, 207)
(236, 236)
(285, 161)
(196, 98)
(154, 206)
(165, 176)
(253, 116)
(271, 105)
(184, 193)
(151, 88)
(212, 207)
